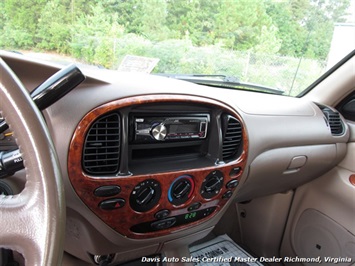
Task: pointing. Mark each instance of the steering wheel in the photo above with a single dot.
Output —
(32, 222)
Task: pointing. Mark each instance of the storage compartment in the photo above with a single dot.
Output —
(153, 158)
(148, 152)
(282, 169)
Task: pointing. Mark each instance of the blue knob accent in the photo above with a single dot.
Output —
(171, 186)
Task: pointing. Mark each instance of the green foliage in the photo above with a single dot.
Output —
(287, 19)
(152, 22)
(93, 36)
(289, 27)
(21, 20)
(232, 37)
(194, 20)
(129, 12)
(306, 26)
(241, 22)
(52, 31)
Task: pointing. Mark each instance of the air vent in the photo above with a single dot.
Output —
(232, 137)
(333, 119)
(102, 146)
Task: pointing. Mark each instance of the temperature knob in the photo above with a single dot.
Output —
(181, 190)
(159, 132)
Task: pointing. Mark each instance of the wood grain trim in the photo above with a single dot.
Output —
(123, 218)
(352, 180)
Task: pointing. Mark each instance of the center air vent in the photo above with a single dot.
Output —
(333, 119)
(232, 137)
(101, 152)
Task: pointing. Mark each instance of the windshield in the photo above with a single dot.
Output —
(280, 44)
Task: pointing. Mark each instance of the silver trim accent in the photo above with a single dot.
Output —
(159, 132)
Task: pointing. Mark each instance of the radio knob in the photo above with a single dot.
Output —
(159, 132)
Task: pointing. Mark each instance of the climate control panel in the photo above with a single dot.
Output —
(153, 205)
(173, 221)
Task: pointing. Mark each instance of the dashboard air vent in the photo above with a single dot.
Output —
(232, 137)
(333, 119)
(102, 146)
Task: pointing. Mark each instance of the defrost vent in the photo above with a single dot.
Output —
(333, 119)
(101, 151)
(232, 137)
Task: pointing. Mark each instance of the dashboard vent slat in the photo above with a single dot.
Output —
(232, 137)
(334, 120)
(101, 153)
(335, 124)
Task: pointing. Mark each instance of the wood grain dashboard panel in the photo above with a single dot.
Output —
(123, 218)
(352, 179)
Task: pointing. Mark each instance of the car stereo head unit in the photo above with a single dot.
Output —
(148, 129)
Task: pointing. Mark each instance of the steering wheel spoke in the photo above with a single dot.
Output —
(32, 222)
(25, 238)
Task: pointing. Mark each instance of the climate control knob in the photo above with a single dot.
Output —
(181, 190)
(145, 195)
(159, 132)
(212, 184)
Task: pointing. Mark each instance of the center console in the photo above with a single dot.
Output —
(148, 166)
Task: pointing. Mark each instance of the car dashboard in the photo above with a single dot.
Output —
(150, 164)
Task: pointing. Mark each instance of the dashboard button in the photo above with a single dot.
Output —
(232, 184)
(194, 206)
(162, 214)
(112, 204)
(227, 194)
(235, 171)
(107, 191)
(163, 224)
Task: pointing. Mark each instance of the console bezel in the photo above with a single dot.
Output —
(123, 218)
